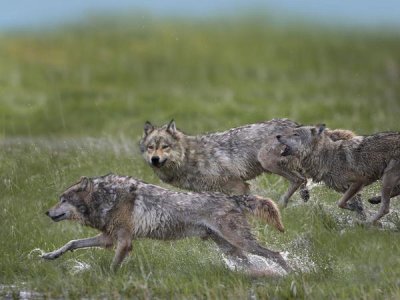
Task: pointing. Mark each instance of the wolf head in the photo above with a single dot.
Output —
(161, 146)
(73, 202)
(300, 141)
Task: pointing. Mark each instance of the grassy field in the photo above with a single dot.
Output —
(73, 102)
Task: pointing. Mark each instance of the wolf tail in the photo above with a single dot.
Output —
(340, 134)
(264, 209)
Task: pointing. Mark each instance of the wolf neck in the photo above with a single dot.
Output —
(207, 163)
(100, 208)
(317, 162)
(196, 157)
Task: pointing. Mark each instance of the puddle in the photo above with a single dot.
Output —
(18, 292)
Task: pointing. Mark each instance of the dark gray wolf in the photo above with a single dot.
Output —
(289, 167)
(347, 165)
(222, 161)
(124, 208)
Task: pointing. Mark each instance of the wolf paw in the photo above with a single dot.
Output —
(373, 223)
(51, 255)
(282, 203)
(375, 200)
(357, 206)
(305, 194)
(366, 224)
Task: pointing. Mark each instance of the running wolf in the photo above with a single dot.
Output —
(348, 165)
(124, 208)
(221, 161)
(289, 167)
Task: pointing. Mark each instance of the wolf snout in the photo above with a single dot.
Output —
(155, 160)
(56, 217)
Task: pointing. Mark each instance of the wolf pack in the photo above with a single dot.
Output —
(214, 200)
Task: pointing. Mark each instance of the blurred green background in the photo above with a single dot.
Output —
(73, 101)
(107, 77)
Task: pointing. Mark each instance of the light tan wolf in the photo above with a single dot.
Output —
(223, 161)
(124, 208)
(347, 165)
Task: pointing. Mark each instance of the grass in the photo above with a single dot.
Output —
(73, 103)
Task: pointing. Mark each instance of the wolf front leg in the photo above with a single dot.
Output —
(101, 240)
(294, 184)
(390, 178)
(351, 191)
(124, 246)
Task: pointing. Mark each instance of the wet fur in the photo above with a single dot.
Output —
(348, 165)
(221, 161)
(289, 167)
(124, 208)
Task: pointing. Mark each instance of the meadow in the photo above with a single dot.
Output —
(73, 101)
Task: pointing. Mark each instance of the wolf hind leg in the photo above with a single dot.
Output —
(101, 240)
(253, 247)
(350, 193)
(229, 249)
(241, 238)
(390, 179)
(124, 246)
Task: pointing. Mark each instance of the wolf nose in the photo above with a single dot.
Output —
(155, 160)
(278, 136)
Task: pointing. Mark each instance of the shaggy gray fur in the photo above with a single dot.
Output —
(124, 208)
(348, 165)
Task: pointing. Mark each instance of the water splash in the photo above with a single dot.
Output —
(75, 266)
(260, 266)
(255, 265)
(32, 253)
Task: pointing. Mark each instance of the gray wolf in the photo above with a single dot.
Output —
(289, 167)
(222, 161)
(124, 208)
(347, 165)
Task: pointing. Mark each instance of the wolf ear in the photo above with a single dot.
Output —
(171, 128)
(313, 131)
(321, 128)
(318, 129)
(148, 128)
(86, 183)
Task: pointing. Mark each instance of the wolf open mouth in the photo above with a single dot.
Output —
(286, 151)
(58, 218)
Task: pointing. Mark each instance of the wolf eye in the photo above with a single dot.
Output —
(165, 146)
(296, 134)
(150, 147)
(63, 200)
(82, 209)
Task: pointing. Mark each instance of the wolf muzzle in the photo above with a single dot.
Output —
(57, 217)
(287, 150)
(156, 161)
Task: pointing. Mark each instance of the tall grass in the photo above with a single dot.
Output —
(73, 102)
